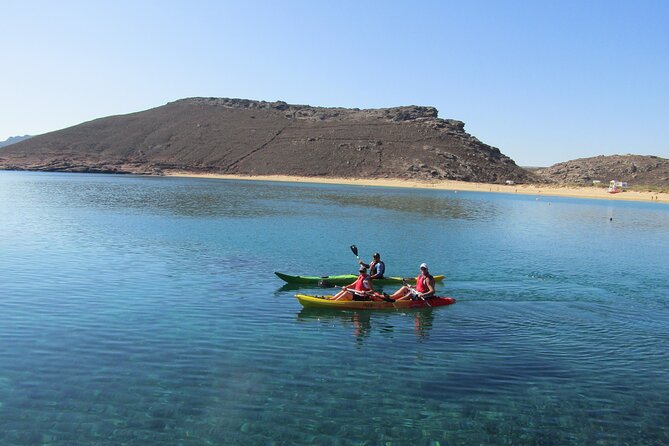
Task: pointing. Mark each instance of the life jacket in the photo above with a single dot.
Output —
(373, 267)
(359, 284)
(421, 283)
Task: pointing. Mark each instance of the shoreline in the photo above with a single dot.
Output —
(464, 186)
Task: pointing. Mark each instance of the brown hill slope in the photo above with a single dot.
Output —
(636, 170)
(239, 136)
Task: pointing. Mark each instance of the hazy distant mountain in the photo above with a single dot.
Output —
(636, 170)
(13, 140)
(239, 136)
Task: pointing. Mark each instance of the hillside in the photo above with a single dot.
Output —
(636, 170)
(237, 136)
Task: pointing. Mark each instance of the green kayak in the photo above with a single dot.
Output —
(344, 279)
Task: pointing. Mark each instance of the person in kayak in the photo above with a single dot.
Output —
(424, 287)
(361, 289)
(376, 267)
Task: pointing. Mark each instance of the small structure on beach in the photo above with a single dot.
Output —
(617, 186)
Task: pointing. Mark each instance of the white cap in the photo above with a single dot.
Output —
(424, 265)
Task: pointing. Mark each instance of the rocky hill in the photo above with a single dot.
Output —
(636, 170)
(13, 140)
(238, 136)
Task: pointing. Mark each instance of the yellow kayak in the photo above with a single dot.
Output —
(322, 302)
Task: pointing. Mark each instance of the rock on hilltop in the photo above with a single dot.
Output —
(636, 170)
(238, 136)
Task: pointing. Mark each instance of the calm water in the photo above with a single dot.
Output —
(144, 311)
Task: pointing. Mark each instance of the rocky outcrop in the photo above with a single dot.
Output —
(240, 136)
(636, 170)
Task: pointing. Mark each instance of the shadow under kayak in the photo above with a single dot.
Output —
(322, 302)
(345, 279)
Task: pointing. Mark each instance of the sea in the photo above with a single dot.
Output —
(145, 311)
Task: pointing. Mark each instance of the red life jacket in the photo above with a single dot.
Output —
(421, 283)
(360, 283)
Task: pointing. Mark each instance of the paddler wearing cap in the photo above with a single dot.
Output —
(424, 287)
(361, 289)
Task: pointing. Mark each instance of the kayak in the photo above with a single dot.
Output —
(322, 302)
(344, 279)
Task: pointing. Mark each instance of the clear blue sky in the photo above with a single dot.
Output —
(544, 81)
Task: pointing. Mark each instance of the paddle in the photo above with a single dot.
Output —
(406, 284)
(355, 251)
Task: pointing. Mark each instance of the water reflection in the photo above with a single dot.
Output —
(290, 287)
(210, 198)
(434, 206)
(422, 323)
(361, 323)
(189, 200)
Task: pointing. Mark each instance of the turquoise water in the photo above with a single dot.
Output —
(145, 311)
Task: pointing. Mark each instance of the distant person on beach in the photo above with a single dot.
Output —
(376, 267)
(424, 287)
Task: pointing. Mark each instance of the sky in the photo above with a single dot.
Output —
(543, 81)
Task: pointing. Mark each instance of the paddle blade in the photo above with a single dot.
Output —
(354, 249)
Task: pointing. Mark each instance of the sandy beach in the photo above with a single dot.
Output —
(525, 189)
